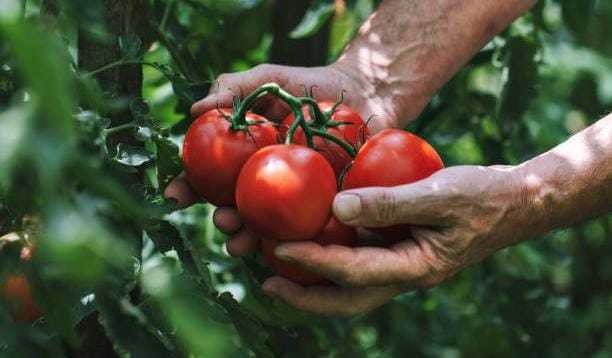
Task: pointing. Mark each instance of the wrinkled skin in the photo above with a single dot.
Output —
(284, 192)
(213, 154)
(354, 133)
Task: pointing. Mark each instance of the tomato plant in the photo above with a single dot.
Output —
(334, 233)
(214, 152)
(341, 122)
(392, 157)
(284, 192)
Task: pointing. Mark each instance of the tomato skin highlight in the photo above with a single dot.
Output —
(354, 133)
(17, 292)
(334, 233)
(213, 153)
(285, 192)
(390, 158)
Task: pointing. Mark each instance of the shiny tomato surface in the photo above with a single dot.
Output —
(285, 192)
(213, 153)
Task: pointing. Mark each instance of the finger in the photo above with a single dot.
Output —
(423, 203)
(224, 99)
(271, 108)
(180, 191)
(329, 300)
(404, 263)
(226, 219)
(241, 243)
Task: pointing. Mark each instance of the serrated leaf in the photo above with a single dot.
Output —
(168, 160)
(127, 326)
(313, 20)
(131, 155)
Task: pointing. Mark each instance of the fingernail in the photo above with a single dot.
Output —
(347, 207)
(283, 253)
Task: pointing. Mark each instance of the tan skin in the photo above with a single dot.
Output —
(460, 215)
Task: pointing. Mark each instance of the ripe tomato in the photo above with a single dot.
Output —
(285, 192)
(334, 233)
(353, 133)
(213, 153)
(18, 294)
(390, 158)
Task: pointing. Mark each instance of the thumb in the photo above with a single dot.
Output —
(417, 204)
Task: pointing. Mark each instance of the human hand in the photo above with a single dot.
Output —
(459, 216)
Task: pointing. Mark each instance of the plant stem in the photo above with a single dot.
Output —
(169, 4)
(120, 128)
(347, 147)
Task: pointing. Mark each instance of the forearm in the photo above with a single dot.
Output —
(571, 182)
(408, 49)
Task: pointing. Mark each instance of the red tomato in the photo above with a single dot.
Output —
(390, 158)
(285, 192)
(354, 133)
(18, 294)
(213, 154)
(334, 233)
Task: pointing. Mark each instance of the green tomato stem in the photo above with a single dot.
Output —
(347, 147)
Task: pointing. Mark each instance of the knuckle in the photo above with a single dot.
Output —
(385, 210)
(224, 78)
(349, 278)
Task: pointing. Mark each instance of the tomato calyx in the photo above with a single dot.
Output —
(322, 120)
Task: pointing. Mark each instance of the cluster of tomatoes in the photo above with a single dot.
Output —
(283, 178)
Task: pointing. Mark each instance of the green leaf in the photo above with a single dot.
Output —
(14, 128)
(313, 20)
(186, 307)
(251, 330)
(577, 15)
(129, 328)
(132, 156)
(168, 160)
(519, 88)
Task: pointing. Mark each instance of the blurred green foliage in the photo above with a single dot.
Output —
(117, 269)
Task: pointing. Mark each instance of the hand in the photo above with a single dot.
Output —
(329, 83)
(459, 216)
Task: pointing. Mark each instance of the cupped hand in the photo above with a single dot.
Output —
(458, 216)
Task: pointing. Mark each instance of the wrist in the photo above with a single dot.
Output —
(538, 197)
